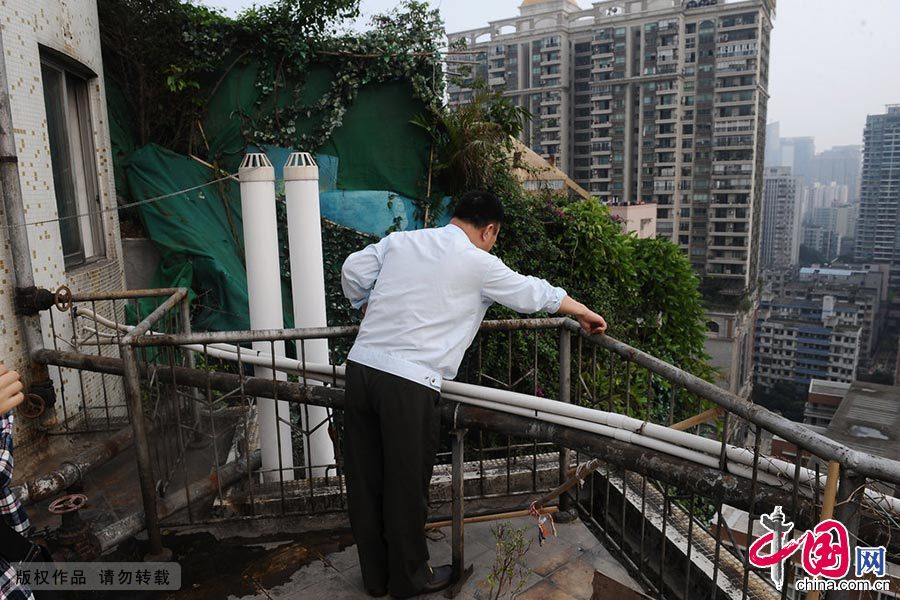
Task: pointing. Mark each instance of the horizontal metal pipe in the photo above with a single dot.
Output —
(772, 472)
(225, 476)
(799, 435)
(705, 481)
(123, 294)
(318, 395)
(72, 471)
(515, 514)
(865, 464)
(240, 337)
(701, 450)
(312, 394)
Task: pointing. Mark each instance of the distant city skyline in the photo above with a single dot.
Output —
(833, 61)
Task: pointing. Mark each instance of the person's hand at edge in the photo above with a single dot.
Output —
(10, 390)
(591, 322)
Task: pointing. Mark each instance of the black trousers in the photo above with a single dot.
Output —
(391, 430)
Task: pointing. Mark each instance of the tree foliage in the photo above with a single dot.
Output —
(168, 76)
(645, 288)
(473, 142)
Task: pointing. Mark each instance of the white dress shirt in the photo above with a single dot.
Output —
(427, 292)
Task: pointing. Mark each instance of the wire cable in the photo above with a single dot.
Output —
(119, 207)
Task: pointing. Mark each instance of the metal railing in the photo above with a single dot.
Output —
(659, 510)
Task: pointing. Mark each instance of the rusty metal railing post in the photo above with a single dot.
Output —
(851, 489)
(457, 491)
(184, 309)
(131, 376)
(565, 395)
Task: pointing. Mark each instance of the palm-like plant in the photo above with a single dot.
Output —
(472, 141)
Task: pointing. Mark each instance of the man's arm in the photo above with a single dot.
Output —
(590, 321)
(527, 294)
(360, 271)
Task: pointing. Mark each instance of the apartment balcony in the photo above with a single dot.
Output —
(737, 26)
(731, 103)
(735, 88)
(722, 54)
(714, 218)
(724, 186)
(733, 143)
(745, 69)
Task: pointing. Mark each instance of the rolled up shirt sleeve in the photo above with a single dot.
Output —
(360, 271)
(522, 293)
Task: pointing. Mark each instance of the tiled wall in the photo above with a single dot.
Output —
(69, 27)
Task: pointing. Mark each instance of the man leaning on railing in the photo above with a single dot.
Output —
(423, 295)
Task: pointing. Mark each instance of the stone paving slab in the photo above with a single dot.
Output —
(561, 569)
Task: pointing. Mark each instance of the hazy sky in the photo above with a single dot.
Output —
(832, 61)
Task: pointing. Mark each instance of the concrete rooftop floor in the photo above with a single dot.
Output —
(562, 569)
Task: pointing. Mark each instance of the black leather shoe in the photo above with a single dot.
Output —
(377, 593)
(438, 579)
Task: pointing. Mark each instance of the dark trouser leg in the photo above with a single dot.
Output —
(365, 481)
(410, 425)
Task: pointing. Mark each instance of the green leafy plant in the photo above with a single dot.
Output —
(474, 142)
(168, 77)
(508, 575)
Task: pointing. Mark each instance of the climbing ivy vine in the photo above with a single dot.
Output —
(168, 77)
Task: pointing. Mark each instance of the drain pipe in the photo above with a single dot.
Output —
(29, 300)
(264, 295)
(304, 221)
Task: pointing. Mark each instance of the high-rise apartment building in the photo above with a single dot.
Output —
(773, 145)
(646, 101)
(841, 165)
(799, 153)
(822, 195)
(780, 239)
(879, 209)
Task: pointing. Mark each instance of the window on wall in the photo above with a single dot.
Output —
(72, 159)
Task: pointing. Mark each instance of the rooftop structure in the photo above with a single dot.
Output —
(863, 286)
(868, 419)
(798, 340)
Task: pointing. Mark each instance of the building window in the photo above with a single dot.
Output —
(72, 158)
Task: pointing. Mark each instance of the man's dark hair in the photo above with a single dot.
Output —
(479, 208)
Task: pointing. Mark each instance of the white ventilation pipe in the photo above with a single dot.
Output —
(304, 221)
(264, 295)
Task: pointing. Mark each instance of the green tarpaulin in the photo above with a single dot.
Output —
(372, 169)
